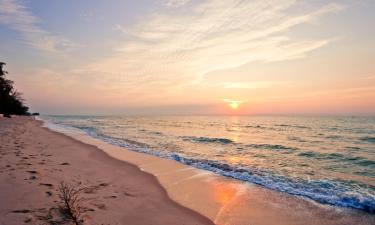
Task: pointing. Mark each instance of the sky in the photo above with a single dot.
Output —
(251, 57)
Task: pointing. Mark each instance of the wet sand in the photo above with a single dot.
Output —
(34, 160)
(139, 197)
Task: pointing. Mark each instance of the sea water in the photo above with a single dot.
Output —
(327, 159)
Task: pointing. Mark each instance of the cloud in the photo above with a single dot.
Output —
(250, 85)
(171, 50)
(176, 3)
(232, 101)
(214, 35)
(120, 28)
(17, 17)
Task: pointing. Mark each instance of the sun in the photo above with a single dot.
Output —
(233, 104)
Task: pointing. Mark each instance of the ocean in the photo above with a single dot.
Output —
(330, 160)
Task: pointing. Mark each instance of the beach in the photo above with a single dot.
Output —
(182, 112)
(35, 160)
(127, 187)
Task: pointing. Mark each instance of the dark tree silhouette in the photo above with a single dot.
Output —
(11, 101)
(2, 72)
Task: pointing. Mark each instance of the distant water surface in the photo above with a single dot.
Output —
(328, 159)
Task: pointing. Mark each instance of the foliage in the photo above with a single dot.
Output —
(11, 101)
(71, 203)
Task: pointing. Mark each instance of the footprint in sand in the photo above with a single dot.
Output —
(21, 211)
(95, 188)
(46, 184)
(112, 196)
(99, 205)
(128, 194)
(103, 184)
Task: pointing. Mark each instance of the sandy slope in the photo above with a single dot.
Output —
(33, 160)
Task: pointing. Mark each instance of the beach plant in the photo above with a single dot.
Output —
(70, 206)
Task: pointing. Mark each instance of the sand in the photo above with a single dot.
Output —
(34, 160)
(162, 194)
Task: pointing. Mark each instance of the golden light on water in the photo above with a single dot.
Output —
(234, 159)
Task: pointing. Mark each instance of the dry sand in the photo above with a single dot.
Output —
(139, 197)
(34, 160)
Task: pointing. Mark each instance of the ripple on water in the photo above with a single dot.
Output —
(207, 140)
(368, 139)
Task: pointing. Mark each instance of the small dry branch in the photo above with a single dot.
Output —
(70, 206)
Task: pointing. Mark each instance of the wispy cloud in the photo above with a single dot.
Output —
(176, 3)
(173, 48)
(170, 51)
(16, 16)
(250, 85)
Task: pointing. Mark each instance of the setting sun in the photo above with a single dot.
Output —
(233, 104)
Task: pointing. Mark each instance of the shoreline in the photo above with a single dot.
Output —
(226, 200)
(34, 160)
(251, 165)
(220, 199)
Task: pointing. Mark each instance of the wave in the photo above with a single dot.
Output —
(353, 148)
(292, 126)
(333, 192)
(254, 126)
(298, 139)
(368, 139)
(333, 137)
(271, 147)
(207, 139)
(324, 191)
(317, 155)
(228, 141)
(358, 160)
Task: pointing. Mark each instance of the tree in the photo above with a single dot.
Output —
(11, 101)
(2, 72)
